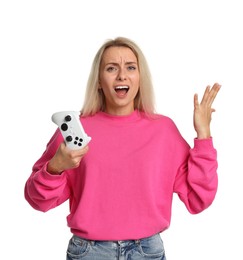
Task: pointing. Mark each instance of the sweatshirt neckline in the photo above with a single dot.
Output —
(134, 116)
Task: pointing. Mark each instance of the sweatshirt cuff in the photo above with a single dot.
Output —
(48, 176)
(203, 144)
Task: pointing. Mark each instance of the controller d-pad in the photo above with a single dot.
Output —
(64, 127)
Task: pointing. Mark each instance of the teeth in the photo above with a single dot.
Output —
(122, 87)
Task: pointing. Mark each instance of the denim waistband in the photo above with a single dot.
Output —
(115, 242)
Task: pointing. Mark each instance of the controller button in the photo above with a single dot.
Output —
(64, 127)
(69, 138)
(68, 118)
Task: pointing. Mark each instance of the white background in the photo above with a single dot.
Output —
(46, 50)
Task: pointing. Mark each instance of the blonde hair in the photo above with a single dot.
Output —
(94, 100)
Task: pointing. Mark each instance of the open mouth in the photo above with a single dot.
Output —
(121, 90)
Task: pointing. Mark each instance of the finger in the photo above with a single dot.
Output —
(213, 93)
(63, 146)
(205, 95)
(196, 103)
(83, 151)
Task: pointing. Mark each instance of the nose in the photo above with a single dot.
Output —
(121, 75)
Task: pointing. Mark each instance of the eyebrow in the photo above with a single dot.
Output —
(116, 63)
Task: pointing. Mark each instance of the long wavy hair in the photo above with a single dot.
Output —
(94, 100)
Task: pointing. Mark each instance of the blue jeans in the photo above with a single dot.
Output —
(147, 248)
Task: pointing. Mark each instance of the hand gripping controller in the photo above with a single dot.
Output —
(71, 129)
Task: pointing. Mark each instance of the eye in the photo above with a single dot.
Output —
(131, 68)
(110, 68)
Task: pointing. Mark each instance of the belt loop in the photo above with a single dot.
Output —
(92, 242)
(137, 241)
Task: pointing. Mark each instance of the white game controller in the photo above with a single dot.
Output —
(71, 129)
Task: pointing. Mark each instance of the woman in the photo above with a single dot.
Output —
(120, 186)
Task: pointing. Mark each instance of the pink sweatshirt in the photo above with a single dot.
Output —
(124, 185)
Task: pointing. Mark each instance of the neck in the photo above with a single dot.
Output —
(119, 111)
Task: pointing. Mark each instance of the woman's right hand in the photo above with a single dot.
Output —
(65, 159)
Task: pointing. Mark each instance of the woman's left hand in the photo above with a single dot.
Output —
(203, 111)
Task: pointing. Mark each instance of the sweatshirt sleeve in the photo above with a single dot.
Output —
(197, 181)
(43, 190)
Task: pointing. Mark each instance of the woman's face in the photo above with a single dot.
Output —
(119, 80)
